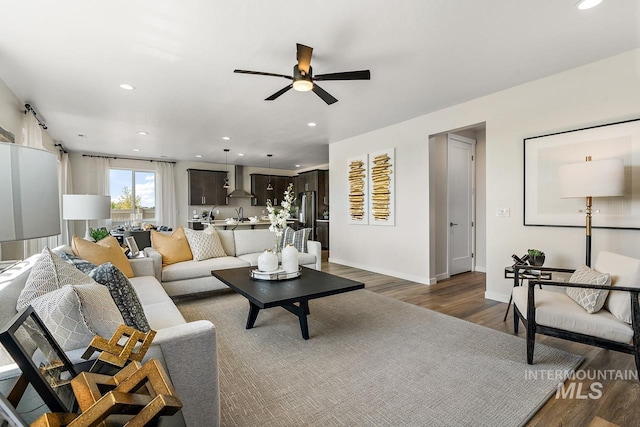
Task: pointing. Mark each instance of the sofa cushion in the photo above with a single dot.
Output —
(49, 273)
(160, 311)
(74, 314)
(194, 269)
(591, 300)
(252, 241)
(123, 295)
(298, 238)
(557, 310)
(228, 241)
(173, 248)
(106, 250)
(625, 272)
(204, 244)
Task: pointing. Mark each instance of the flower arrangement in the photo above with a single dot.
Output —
(279, 217)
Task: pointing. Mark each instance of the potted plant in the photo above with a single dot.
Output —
(99, 233)
(536, 257)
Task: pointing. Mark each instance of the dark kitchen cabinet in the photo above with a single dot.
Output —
(259, 183)
(205, 187)
(322, 233)
(318, 181)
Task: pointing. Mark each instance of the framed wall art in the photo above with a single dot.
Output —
(382, 187)
(358, 173)
(545, 154)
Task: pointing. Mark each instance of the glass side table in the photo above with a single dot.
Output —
(527, 274)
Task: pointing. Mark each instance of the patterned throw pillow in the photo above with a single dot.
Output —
(123, 294)
(106, 250)
(204, 244)
(173, 248)
(591, 300)
(74, 314)
(298, 238)
(79, 263)
(49, 273)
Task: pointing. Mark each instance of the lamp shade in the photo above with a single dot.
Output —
(29, 196)
(598, 178)
(85, 206)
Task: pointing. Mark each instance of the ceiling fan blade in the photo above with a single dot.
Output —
(278, 93)
(260, 73)
(345, 75)
(304, 57)
(326, 97)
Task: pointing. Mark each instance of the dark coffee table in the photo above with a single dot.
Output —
(293, 295)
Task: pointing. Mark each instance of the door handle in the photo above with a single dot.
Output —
(451, 224)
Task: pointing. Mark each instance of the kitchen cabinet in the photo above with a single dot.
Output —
(318, 181)
(259, 184)
(205, 187)
(322, 233)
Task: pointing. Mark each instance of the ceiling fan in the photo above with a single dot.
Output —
(304, 80)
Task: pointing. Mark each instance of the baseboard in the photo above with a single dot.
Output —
(417, 279)
(442, 276)
(496, 296)
(480, 269)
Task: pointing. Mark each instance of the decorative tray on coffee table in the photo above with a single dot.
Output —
(274, 275)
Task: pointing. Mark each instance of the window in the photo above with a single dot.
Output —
(133, 195)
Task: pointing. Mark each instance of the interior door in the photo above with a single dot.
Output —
(460, 197)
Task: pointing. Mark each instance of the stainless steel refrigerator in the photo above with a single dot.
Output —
(308, 212)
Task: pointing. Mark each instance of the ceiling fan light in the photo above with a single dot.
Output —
(303, 85)
(588, 4)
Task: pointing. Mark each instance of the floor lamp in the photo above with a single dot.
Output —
(589, 179)
(86, 207)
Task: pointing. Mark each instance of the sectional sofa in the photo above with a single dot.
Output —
(187, 350)
(243, 247)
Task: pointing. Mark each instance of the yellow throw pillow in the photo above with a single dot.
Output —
(106, 250)
(173, 248)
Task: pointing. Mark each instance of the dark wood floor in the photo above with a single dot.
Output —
(462, 296)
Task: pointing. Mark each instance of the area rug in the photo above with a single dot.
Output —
(372, 361)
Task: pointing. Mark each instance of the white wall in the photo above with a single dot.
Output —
(598, 93)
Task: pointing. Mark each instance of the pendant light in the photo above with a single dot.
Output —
(269, 187)
(226, 179)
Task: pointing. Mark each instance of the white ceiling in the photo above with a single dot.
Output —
(68, 59)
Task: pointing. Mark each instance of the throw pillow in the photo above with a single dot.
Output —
(79, 263)
(298, 238)
(173, 248)
(106, 250)
(591, 300)
(123, 295)
(49, 273)
(74, 314)
(204, 244)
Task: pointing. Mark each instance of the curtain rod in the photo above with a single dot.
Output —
(128, 158)
(30, 108)
(60, 147)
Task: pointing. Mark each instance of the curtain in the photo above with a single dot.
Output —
(32, 137)
(166, 194)
(98, 183)
(66, 187)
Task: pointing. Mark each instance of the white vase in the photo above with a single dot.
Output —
(268, 261)
(290, 259)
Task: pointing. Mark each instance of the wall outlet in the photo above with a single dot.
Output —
(503, 212)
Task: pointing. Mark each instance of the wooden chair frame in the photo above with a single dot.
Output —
(532, 327)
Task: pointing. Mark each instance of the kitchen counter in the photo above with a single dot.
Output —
(230, 226)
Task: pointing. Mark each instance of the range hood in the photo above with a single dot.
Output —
(239, 192)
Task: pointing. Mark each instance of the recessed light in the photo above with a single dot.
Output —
(127, 86)
(587, 4)
(136, 149)
(163, 157)
(240, 154)
(198, 156)
(297, 166)
(311, 124)
(82, 135)
(143, 133)
(226, 138)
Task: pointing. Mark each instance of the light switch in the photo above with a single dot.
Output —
(504, 212)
